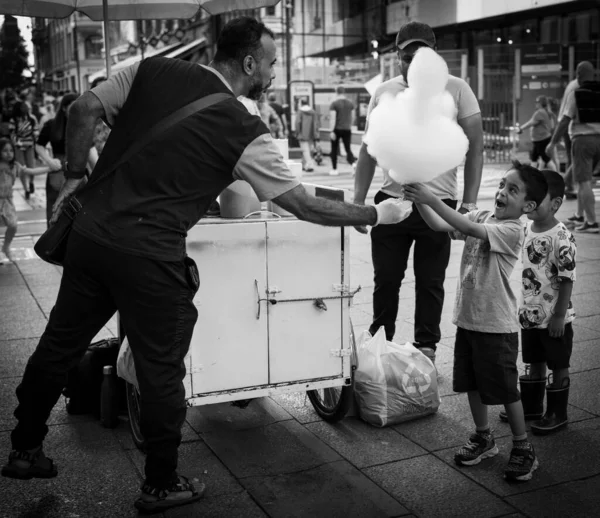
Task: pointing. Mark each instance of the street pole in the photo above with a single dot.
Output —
(76, 44)
(288, 52)
(106, 37)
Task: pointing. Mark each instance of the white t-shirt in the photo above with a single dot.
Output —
(548, 258)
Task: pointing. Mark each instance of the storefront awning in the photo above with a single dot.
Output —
(171, 51)
(187, 50)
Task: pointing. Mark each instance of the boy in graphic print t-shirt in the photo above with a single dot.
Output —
(487, 339)
(546, 314)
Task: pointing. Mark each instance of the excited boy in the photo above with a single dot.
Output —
(485, 313)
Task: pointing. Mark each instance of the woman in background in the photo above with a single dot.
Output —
(23, 127)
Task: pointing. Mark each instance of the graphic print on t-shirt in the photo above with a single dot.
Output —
(548, 260)
(475, 251)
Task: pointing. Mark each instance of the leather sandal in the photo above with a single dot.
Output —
(24, 465)
(156, 500)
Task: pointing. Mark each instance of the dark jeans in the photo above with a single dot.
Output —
(345, 136)
(156, 309)
(390, 248)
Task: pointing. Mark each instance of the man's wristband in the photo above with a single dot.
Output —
(377, 216)
(71, 172)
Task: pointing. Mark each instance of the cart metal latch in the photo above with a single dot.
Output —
(340, 353)
(341, 288)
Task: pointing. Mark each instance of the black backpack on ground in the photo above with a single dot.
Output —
(84, 382)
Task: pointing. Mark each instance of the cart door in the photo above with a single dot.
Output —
(229, 348)
(304, 264)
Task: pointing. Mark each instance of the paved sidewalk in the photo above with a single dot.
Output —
(277, 458)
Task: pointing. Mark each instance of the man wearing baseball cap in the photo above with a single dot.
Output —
(391, 245)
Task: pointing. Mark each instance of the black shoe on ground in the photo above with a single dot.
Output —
(588, 228)
(576, 219)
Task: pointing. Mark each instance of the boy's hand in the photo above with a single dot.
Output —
(556, 326)
(418, 193)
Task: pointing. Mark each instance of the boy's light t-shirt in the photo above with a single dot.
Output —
(548, 258)
(485, 300)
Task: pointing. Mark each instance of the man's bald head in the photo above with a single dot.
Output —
(584, 72)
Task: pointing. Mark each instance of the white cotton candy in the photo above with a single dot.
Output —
(414, 134)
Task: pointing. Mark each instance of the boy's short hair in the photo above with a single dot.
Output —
(536, 186)
(556, 183)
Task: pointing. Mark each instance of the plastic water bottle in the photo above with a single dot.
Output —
(109, 398)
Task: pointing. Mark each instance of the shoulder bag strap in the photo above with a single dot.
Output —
(160, 127)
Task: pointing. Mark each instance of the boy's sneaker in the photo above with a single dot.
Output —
(576, 219)
(333, 172)
(588, 228)
(523, 462)
(478, 447)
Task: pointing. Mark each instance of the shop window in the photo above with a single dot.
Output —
(93, 47)
(270, 10)
(549, 29)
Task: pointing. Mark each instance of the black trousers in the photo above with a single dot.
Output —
(390, 248)
(344, 136)
(156, 307)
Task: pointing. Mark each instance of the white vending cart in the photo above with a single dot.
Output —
(273, 313)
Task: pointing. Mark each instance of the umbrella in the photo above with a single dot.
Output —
(105, 10)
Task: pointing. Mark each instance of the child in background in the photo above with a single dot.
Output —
(546, 314)
(10, 170)
(487, 340)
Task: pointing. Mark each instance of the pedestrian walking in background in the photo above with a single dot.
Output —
(541, 131)
(582, 120)
(23, 126)
(390, 247)
(485, 313)
(341, 116)
(280, 111)
(546, 314)
(127, 247)
(270, 118)
(10, 170)
(54, 133)
(307, 133)
(553, 109)
(570, 192)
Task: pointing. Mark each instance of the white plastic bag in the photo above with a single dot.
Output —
(125, 365)
(393, 383)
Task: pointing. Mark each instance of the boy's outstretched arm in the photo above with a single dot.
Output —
(434, 221)
(419, 193)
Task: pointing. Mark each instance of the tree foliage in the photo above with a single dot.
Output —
(13, 54)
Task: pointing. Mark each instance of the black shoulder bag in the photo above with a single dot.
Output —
(52, 244)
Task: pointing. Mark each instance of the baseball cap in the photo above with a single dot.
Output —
(413, 32)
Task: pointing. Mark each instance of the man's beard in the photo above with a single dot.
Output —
(257, 88)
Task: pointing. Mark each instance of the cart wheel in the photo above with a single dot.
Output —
(333, 403)
(133, 410)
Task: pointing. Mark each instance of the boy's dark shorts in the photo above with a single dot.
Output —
(487, 363)
(540, 347)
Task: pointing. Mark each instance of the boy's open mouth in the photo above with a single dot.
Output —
(500, 204)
